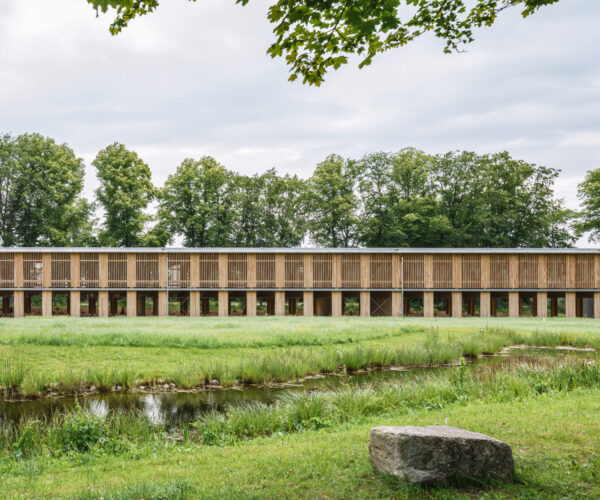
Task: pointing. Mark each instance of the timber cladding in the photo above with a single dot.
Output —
(297, 269)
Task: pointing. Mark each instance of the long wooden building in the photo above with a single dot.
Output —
(299, 281)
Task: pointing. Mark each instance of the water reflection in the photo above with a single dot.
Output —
(177, 407)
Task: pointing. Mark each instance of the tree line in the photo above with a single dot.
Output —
(404, 199)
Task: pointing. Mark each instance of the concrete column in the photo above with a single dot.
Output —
(308, 300)
(570, 305)
(456, 304)
(75, 304)
(336, 303)
(280, 303)
(513, 304)
(223, 303)
(19, 304)
(103, 304)
(542, 304)
(46, 303)
(485, 299)
(251, 303)
(163, 303)
(131, 304)
(365, 304)
(428, 304)
(396, 303)
(194, 303)
(596, 305)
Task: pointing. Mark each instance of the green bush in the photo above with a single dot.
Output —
(82, 431)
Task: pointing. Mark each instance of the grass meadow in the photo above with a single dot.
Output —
(67, 355)
(307, 444)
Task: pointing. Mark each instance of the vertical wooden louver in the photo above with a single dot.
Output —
(117, 270)
(557, 271)
(294, 270)
(89, 270)
(442, 271)
(584, 271)
(528, 271)
(265, 270)
(61, 270)
(237, 270)
(178, 274)
(471, 270)
(499, 276)
(351, 270)
(322, 270)
(7, 270)
(208, 266)
(381, 270)
(32, 270)
(146, 270)
(414, 270)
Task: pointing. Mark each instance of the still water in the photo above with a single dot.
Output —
(173, 408)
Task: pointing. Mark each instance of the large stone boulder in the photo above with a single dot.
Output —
(437, 455)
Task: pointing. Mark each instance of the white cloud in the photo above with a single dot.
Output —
(194, 79)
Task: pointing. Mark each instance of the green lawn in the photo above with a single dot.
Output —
(555, 440)
(68, 354)
(551, 423)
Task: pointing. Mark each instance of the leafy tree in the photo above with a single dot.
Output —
(250, 210)
(284, 214)
(332, 203)
(198, 203)
(125, 191)
(40, 187)
(399, 208)
(318, 35)
(497, 201)
(589, 218)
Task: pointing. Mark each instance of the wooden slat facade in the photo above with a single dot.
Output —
(117, 270)
(89, 270)
(351, 271)
(7, 270)
(320, 276)
(265, 271)
(237, 270)
(32, 270)
(208, 270)
(294, 270)
(381, 270)
(322, 270)
(178, 274)
(61, 270)
(471, 271)
(414, 271)
(315, 270)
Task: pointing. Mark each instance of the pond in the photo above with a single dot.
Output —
(172, 408)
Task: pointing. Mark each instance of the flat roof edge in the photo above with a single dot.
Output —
(398, 250)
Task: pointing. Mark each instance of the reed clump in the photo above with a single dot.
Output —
(277, 365)
(83, 432)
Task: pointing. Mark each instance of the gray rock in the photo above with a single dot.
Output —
(437, 455)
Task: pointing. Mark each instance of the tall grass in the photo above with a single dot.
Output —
(298, 411)
(83, 432)
(278, 366)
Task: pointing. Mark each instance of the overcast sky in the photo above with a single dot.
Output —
(194, 79)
